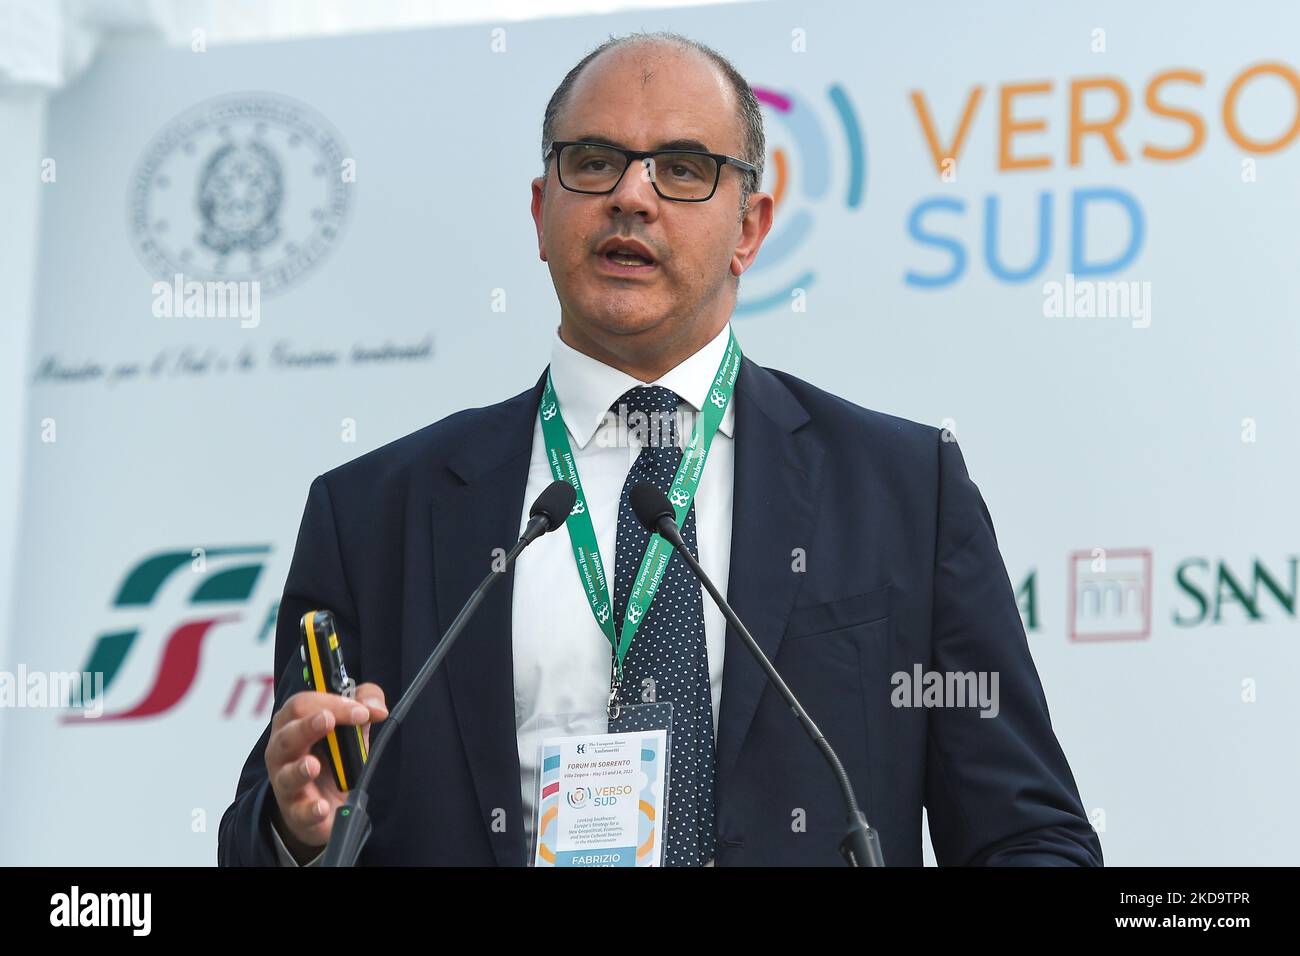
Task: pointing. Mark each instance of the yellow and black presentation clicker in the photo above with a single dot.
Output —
(343, 748)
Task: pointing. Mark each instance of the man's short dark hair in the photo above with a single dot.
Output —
(748, 113)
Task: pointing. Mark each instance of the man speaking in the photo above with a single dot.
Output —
(852, 544)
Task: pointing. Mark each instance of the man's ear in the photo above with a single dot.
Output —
(538, 203)
(755, 223)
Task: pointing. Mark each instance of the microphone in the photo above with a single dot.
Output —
(352, 825)
(861, 845)
(549, 511)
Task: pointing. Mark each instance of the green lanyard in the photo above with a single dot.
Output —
(582, 536)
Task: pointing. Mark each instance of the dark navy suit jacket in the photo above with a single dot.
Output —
(900, 567)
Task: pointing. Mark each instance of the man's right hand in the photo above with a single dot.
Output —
(305, 797)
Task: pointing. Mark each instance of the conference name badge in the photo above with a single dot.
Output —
(601, 799)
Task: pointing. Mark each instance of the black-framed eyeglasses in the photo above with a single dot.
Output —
(682, 175)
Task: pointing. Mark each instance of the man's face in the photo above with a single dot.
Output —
(642, 97)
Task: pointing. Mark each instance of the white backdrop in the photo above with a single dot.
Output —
(1154, 443)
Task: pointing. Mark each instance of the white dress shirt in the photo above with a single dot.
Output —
(561, 656)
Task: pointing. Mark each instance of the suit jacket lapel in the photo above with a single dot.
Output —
(777, 479)
(778, 472)
(468, 523)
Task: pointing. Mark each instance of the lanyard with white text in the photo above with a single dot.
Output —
(582, 536)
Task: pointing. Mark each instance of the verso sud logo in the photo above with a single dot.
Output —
(1096, 111)
(806, 176)
(218, 595)
(578, 797)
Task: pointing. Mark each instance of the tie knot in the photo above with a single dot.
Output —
(651, 413)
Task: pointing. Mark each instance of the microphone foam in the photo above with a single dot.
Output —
(555, 502)
(649, 504)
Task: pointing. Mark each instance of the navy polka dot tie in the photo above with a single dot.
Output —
(668, 659)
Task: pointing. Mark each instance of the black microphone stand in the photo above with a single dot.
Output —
(861, 844)
(352, 825)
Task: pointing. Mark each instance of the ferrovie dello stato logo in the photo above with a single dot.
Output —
(162, 649)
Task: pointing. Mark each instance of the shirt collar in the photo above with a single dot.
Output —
(587, 388)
